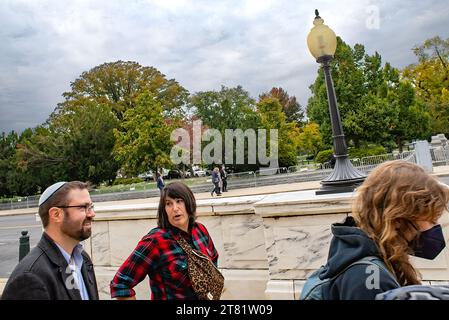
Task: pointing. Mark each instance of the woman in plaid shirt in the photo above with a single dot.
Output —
(159, 256)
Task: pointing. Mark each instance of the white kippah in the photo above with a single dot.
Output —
(50, 191)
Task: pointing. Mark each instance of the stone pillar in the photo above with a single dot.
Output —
(297, 236)
(423, 156)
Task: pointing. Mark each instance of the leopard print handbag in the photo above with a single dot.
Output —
(207, 281)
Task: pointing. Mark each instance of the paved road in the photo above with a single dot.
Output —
(10, 232)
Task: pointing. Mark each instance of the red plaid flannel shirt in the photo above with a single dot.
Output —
(159, 256)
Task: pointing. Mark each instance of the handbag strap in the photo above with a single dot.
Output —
(184, 245)
(189, 250)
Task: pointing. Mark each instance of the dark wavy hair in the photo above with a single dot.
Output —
(176, 190)
(388, 205)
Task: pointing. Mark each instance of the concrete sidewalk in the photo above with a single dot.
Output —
(291, 187)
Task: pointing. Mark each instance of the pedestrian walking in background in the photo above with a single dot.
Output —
(159, 255)
(160, 182)
(58, 268)
(216, 181)
(224, 177)
(395, 214)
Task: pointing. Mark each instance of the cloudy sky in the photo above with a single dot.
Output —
(203, 44)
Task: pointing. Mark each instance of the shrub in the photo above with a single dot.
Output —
(366, 151)
(324, 156)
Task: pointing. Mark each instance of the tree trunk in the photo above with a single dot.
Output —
(399, 143)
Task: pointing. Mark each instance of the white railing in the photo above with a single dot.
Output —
(367, 164)
(440, 156)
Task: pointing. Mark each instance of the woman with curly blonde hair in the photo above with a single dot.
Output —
(395, 214)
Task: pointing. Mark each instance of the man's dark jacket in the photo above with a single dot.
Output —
(43, 274)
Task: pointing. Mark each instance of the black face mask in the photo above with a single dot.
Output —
(429, 243)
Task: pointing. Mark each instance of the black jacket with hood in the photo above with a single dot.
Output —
(350, 244)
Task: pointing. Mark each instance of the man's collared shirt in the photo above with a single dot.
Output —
(75, 263)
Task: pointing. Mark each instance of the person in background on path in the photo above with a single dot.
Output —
(216, 181)
(58, 268)
(160, 182)
(395, 214)
(224, 177)
(160, 257)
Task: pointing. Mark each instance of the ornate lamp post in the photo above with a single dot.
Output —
(322, 43)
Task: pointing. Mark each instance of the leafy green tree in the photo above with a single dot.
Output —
(291, 108)
(375, 105)
(143, 138)
(87, 133)
(413, 121)
(117, 87)
(272, 117)
(77, 140)
(310, 141)
(229, 108)
(118, 84)
(348, 78)
(16, 178)
(40, 155)
(8, 144)
(430, 77)
(373, 120)
(76, 143)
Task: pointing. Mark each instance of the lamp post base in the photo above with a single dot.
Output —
(344, 177)
(328, 189)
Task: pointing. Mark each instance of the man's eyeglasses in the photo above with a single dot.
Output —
(86, 208)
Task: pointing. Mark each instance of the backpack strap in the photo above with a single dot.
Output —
(369, 260)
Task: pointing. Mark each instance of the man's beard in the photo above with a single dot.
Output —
(73, 230)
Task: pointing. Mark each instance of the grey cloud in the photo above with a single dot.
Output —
(48, 44)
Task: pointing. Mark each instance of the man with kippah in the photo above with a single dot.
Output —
(58, 268)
